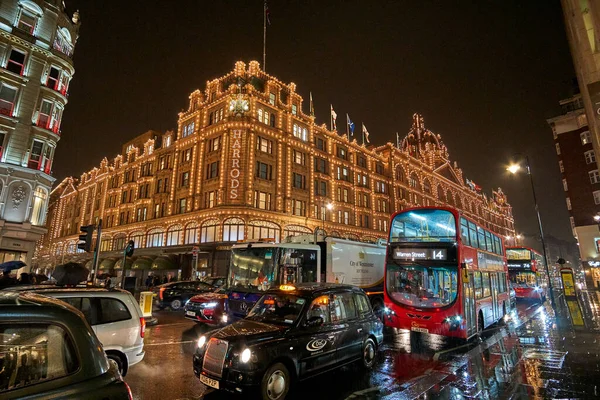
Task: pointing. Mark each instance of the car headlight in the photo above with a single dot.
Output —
(245, 356)
(211, 304)
(201, 341)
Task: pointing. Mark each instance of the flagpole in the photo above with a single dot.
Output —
(363, 133)
(331, 117)
(347, 127)
(265, 37)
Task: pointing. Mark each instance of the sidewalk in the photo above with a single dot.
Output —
(559, 360)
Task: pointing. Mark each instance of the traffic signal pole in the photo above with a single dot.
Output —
(127, 251)
(97, 250)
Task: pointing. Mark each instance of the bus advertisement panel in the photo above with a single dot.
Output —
(444, 274)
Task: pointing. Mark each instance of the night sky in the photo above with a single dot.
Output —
(485, 75)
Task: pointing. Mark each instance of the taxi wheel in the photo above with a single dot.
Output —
(276, 382)
(369, 354)
(175, 304)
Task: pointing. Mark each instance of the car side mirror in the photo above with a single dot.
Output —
(314, 321)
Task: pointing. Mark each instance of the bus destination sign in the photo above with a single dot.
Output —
(421, 254)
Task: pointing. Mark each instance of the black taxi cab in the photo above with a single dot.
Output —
(292, 333)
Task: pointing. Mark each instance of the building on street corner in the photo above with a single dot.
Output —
(246, 162)
(581, 182)
(37, 40)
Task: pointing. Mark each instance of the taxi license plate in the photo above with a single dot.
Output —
(213, 383)
(416, 329)
(190, 313)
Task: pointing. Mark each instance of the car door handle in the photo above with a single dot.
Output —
(359, 330)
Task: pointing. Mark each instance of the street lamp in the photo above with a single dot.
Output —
(597, 219)
(513, 169)
(328, 206)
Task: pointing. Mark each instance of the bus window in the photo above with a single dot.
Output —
(477, 283)
(481, 237)
(464, 232)
(473, 233)
(419, 286)
(485, 280)
(488, 242)
(497, 245)
(423, 225)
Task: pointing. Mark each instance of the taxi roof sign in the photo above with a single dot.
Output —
(287, 287)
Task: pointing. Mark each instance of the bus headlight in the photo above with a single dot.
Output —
(537, 289)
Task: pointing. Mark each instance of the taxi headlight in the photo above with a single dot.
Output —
(245, 356)
(212, 304)
(201, 341)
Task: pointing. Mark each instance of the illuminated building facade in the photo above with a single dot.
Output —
(247, 163)
(37, 39)
(581, 182)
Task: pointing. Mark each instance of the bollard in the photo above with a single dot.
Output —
(146, 307)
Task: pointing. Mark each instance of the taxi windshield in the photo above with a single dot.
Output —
(277, 308)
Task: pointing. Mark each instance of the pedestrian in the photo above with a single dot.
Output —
(108, 283)
(149, 281)
(165, 279)
(171, 278)
(155, 280)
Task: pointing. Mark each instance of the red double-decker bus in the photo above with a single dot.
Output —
(444, 274)
(527, 273)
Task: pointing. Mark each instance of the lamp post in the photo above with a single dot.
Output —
(328, 206)
(513, 169)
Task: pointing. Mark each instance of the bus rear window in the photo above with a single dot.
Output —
(426, 225)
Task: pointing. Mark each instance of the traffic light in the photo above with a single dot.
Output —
(85, 240)
(129, 248)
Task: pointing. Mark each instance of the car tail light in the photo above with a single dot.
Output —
(128, 391)
(142, 327)
(160, 293)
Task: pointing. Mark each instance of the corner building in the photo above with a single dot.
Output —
(37, 39)
(247, 163)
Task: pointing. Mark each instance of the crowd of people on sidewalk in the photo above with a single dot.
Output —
(7, 280)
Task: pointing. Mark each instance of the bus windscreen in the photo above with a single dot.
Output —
(424, 225)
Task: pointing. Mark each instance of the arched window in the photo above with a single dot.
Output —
(28, 16)
(352, 236)
(209, 231)
(138, 239)
(263, 230)
(440, 194)
(191, 233)
(63, 42)
(400, 175)
(459, 204)
(450, 197)
(233, 229)
(296, 230)
(413, 181)
(106, 244)
(335, 234)
(154, 238)
(426, 186)
(118, 242)
(174, 235)
(38, 212)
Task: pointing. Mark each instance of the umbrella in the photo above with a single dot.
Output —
(40, 278)
(11, 265)
(70, 274)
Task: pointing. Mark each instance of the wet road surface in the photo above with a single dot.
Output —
(528, 356)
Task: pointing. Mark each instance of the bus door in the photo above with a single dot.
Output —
(494, 283)
(469, 302)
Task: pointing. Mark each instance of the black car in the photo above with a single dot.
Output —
(292, 333)
(48, 350)
(176, 294)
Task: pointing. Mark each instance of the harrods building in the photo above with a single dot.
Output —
(246, 163)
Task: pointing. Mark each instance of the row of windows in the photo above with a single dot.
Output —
(484, 283)
(475, 236)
